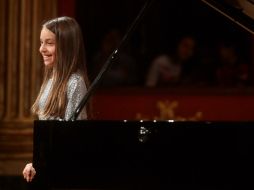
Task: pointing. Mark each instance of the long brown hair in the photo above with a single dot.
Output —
(70, 58)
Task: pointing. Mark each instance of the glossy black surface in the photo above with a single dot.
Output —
(235, 12)
(143, 155)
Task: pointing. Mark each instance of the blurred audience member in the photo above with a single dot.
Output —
(202, 72)
(123, 69)
(168, 69)
(232, 71)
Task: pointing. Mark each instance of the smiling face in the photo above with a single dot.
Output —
(48, 46)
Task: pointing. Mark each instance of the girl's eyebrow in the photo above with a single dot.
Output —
(47, 39)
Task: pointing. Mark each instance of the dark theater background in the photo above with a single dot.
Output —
(214, 82)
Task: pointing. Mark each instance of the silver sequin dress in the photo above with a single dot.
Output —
(76, 89)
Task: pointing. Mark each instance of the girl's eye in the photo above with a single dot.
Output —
(47, 43)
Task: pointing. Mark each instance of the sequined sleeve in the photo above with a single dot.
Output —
(75, 92)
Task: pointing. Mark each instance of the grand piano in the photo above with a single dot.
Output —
(99, 154)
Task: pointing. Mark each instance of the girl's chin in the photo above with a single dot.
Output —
(48, 64)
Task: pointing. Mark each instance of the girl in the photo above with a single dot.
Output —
(65, 79)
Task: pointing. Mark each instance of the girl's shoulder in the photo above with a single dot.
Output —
(76, 84)
(75, 78)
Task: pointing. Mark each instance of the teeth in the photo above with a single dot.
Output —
(46, 56)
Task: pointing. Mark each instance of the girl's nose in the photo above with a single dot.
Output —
(42, 48)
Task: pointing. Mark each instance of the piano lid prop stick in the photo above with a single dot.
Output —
(110, 60)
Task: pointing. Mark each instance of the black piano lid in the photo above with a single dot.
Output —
(240, 12)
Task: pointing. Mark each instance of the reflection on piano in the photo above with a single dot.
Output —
(144, 154)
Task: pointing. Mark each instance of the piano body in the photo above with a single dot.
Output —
(145, 154)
